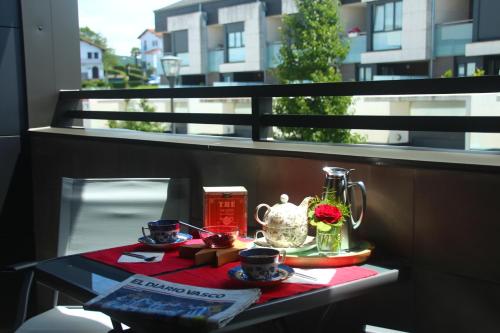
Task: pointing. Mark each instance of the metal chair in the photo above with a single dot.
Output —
(96, 214)
(103, 213)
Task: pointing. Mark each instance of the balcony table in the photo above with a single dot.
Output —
(83, 279)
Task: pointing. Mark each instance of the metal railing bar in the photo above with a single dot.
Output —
(465, 85)
(409, 123)
(196, 118)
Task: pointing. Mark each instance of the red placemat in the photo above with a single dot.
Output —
(216, 277)
(169, 263)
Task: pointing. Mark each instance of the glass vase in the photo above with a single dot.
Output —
(329, 242)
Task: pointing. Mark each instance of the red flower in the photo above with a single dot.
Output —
(327, 213)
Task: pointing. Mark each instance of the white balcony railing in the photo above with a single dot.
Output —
(450, 38)
(273, 54)
(215, 58)
(357, 45)
(387, 40)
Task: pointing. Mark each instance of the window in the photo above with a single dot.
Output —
(96, 55)
(466, 66)
(180, 46)
(155, 43)
(388, 16)
(235, 42)
(89, 55)
(492, 66)
(365, 73)
(145, 45)
(387, 25)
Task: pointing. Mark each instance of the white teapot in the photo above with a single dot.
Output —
(284, 224)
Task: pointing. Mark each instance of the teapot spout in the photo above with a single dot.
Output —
(305, 203)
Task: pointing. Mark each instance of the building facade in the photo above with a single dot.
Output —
(151, 50)
(238, 41)
(92, 67)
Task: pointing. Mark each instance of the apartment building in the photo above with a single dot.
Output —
(238, 41)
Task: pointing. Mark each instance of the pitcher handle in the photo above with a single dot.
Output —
(361, 185)
(256, 215)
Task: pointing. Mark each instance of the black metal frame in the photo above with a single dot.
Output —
(69, 105)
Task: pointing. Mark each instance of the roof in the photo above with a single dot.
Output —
(158, 34)
(91, 43)
(153, 51)
(184, 3)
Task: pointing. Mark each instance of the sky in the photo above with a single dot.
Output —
(120, 21)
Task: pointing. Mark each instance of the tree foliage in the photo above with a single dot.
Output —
(145, 126)
(135, 52)
(313, 49)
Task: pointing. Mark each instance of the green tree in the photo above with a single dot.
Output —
(134, 52)
(109, 59)
(313, 49)
(145, 126)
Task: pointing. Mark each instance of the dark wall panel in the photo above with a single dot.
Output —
(447, 303)
(456, 222)
(10, 81)
(440, 225)
(9, 151)
(9, 13)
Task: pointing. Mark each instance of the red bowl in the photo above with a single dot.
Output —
(219, 236)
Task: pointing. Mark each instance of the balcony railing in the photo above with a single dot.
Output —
(215, 58)
(357, 45)
(184, 58)
(261, 119)
(398, 77)
(273, 54)
(450, 38)
(236, 54)
(389, 40)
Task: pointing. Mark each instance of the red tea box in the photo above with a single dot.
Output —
(225, 205)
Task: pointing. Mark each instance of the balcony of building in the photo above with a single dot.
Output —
(215, 58)
(357, 46)
(451, 38)
(273, 54)
(430, 167)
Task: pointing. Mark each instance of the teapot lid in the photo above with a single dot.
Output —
(284, 198)
(283, 205)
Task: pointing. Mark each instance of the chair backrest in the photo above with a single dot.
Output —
(103, 213)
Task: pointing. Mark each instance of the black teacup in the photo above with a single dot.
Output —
(261, 263)
(163, 231)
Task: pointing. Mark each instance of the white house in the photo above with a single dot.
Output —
(151, 49)
(91, 60)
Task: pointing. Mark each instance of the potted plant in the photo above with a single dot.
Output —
(353, 32)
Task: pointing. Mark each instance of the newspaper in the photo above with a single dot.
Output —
(181, 304)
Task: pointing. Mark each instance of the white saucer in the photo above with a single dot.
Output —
(309, 244)
(181, 239)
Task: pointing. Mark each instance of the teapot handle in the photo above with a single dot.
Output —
(256, 215)
(361, 185)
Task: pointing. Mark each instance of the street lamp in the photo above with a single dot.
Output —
(171, 66)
